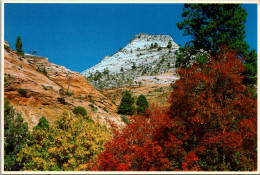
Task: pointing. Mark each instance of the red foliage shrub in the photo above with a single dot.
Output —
(217, 113)
(210, 125)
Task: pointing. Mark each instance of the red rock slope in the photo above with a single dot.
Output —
(44, 92)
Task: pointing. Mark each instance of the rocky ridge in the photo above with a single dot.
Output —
(37, 87)
(144, 60)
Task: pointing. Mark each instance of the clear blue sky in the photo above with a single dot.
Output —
(78, 36)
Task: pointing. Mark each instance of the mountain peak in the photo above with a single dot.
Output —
(143, 52)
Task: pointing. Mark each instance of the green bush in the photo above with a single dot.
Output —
(79, 111)
(134, 66)
(61, 100)
(6, 83)
(106, 71)
(7, 48)
(44, 71)
(44, 87)
(22, 91)
(105, 109)
(68, 93)
(125, 119)
(169, 44)
(90, 99)
(43, 124)
(61, 92)
(97, 75)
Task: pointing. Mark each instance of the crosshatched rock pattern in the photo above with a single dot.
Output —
(144, 56)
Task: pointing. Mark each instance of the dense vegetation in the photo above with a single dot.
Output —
(210, 125)
(71, 143)
(16, 135)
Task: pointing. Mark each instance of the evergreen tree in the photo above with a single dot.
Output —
(142, 104)
(19, 46)
(16, 135)
(169, 44)
(126, 105)
(213, 25)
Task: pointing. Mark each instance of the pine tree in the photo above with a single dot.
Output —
(126, 105)
(213, 25)
(142, 104)
(19, 46)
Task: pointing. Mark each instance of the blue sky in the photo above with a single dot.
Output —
(79, 36)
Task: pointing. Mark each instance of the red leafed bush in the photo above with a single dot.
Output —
(210, 125)
(217, 113)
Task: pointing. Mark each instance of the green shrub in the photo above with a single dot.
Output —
(97, 75)
(79, 111)
(68, 93)
(106, 71)
(43, 124)
(22, 91)
(43, 71)
(6, 83)
(125, 119)
(7, 48)
(105, 109)
(44, 87)
(90, 99)
(61, 100)
(169, 44)
(61, 92)
(134, 66)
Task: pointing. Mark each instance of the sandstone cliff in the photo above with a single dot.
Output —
(37, 87)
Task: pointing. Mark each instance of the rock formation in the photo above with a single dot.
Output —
(37, 87)
(139, 62)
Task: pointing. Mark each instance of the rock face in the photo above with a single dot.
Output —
(45, 85)
(144, 57)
